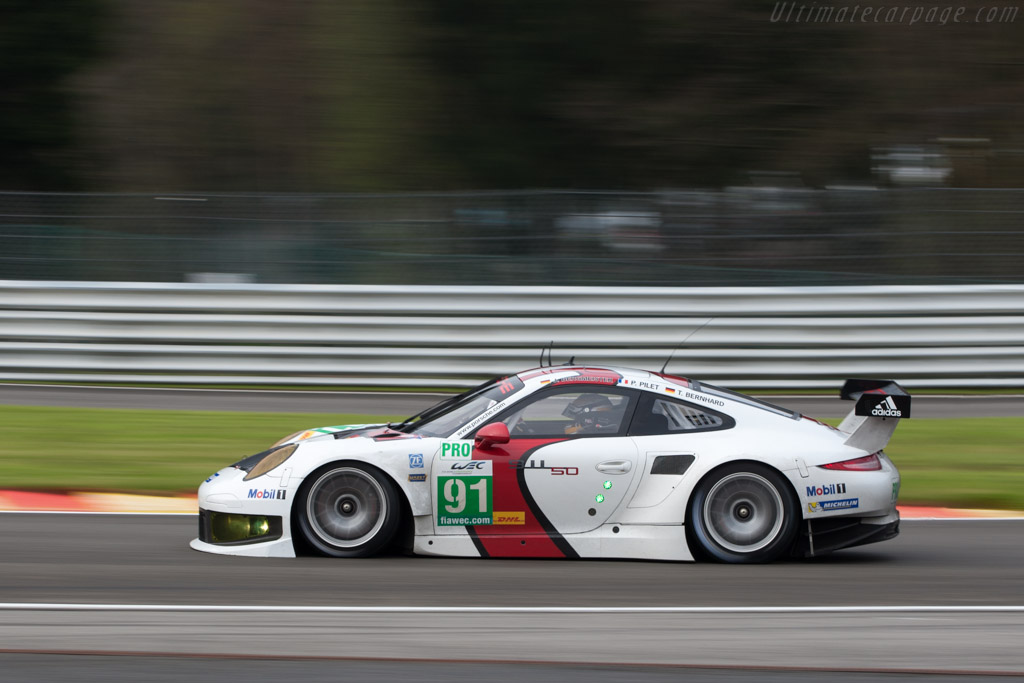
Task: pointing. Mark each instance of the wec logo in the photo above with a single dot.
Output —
(886, 408)
(471, 465)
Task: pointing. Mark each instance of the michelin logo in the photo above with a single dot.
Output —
(886, 408)
(846, 504)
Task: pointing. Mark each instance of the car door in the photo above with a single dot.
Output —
(664, 430)
(567, 466)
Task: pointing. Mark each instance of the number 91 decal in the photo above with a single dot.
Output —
(465, 493)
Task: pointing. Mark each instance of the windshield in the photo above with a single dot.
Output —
(446, 417)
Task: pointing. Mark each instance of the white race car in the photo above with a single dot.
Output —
(572, 461)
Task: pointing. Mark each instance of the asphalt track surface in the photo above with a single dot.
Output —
(397, 403)
(944, 597)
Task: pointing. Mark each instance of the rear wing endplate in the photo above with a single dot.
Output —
(881, 404)
(877, 398)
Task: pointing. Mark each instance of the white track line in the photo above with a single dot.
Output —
(389, 609)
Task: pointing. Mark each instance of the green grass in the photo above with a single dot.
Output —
(136, 450)
(967, 462)
(970, 462)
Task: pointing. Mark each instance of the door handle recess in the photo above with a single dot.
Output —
(615, 466)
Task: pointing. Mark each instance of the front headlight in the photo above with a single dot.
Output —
(261, 463)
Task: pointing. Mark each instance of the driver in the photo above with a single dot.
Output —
(591, 414)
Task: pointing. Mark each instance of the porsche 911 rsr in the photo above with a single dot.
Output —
(572, 461)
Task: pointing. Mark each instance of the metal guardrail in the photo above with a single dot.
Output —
(737, 236)
(763, 337)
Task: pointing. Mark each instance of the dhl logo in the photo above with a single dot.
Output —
(509, 518)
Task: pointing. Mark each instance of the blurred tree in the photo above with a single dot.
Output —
(630, 94)
(42, 44)
(393, 95)
(261, 95)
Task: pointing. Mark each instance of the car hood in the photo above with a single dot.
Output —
(336, 431)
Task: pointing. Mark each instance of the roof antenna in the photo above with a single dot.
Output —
(550, 346)
(679, 345)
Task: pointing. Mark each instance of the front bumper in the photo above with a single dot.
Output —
(237, 517)
(274, 543)
(279, 548)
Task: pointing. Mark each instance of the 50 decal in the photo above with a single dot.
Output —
(539, 465)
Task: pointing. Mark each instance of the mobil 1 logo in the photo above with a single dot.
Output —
(465, 493)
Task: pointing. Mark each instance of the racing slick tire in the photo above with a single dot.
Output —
(348, 510)
(743, 513)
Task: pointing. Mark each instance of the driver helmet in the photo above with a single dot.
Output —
(591, 413)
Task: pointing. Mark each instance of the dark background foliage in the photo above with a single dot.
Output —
(394, 95)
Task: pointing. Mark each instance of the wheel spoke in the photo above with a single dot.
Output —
(743, 512)
(346, 507)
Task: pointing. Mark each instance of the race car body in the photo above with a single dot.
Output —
(572, 461)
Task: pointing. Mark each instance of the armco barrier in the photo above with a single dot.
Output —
(950, 336)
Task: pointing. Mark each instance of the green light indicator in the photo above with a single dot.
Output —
(607, 485)
(599, 498)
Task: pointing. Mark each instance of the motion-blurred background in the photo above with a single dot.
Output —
(457, 142)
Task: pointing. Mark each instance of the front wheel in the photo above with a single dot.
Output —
(348, 510)
(744, 513)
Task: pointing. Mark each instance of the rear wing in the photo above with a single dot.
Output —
(881, 404)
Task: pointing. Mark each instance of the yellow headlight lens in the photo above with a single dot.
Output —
(234, 528)
(270, 461)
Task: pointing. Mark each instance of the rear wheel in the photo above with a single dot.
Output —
(348, 510)
(744, 513)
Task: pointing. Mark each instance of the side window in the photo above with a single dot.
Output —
(583, 411)
(657, 415)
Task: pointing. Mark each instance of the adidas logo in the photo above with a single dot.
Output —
(886, 408)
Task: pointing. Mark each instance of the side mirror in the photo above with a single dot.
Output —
(492, 434)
